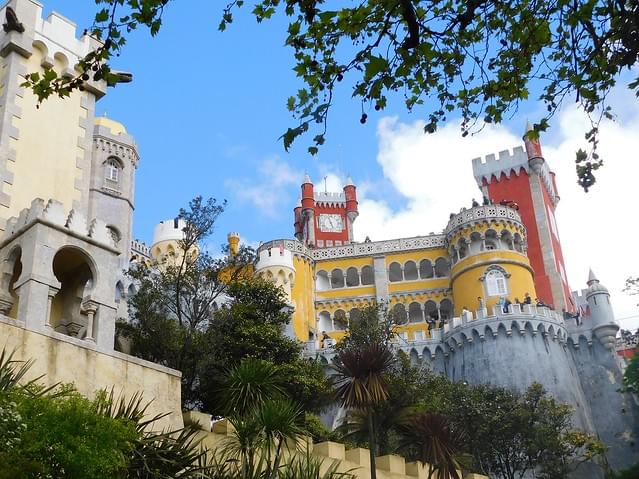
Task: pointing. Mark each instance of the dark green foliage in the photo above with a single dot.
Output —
(65, 437)
(481, 59)
(631, 376)
(57, 433)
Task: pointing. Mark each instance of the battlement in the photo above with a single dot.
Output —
(508, 163)
(53, 214)
(273, 257)
(169, 230)
(329, 198)
(140, 248)
(482, 213)
(453, 333)
(56, 32)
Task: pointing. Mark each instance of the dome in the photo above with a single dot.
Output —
(116, 127)
(594, 286)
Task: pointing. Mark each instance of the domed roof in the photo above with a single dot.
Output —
(594, 286)
(116, 127)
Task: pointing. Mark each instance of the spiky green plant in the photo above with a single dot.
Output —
(249, 385)
(432, 439)
(156, 455)
(361, 383)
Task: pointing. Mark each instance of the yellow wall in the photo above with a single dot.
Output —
(417, 256)
(368, 290)
(302, 295)
(64, 360)
(420, 284)
(467, 287)
(343, 263)
(355, 461)
(47, 148)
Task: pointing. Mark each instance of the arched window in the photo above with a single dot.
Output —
(367, 275)
(441, 268)
(496, 284)
(415, 314)
(352, 277)
(446, 309)
(112, 170)
(410, 271)
(491, 241)
(425, 269)
(395, 273)
(340, 320)
(337, 278)
(399, 314)
(321, 281)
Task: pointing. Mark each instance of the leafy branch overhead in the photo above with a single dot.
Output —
(477, 58)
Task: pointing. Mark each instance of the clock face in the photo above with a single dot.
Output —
(331, 223)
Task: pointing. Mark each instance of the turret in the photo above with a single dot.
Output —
(234, 244)
(602, 317)
(533, 149)
(487, 246)
(308, 198)
(275, 263)
(166, 235)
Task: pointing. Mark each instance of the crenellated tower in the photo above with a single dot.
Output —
(325, 219)
(524, 178)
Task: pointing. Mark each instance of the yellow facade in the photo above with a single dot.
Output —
(424, 282)
(49, 149)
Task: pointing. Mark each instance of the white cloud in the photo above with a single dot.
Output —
(268, 193)
(434, 175)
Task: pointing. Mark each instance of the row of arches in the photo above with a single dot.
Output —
(69, 308)
(489, 240)
(337, 278)
(411, 271)
(430, 312)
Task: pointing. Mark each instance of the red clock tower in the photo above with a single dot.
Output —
(525, 178)
(324, 219)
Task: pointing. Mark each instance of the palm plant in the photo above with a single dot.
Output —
(361, 384)
(155, 455)
(431, 438)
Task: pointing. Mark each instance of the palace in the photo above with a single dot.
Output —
(66, 214)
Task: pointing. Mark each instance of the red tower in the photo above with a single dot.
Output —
(326, 219)
(526, 179)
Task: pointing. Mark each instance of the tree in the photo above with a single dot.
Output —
(170, 310)
(631, 375)
(251, 325)
(360, 374)
(432, 439)
(480, 58)
(509, 433)
(266, 425)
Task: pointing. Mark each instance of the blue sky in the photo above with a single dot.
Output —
(207, 109)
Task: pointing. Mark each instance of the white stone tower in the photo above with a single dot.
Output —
(604, 326)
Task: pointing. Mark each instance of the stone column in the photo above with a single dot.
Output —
(90, 308)
(52, 292)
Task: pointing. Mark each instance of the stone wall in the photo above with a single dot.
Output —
(65, 359)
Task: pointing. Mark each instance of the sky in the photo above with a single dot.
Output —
(207, 110)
